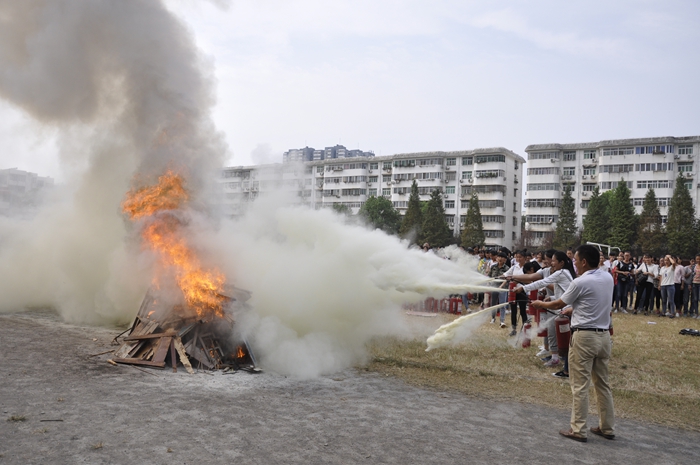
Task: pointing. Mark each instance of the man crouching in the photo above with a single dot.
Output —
(589, 352)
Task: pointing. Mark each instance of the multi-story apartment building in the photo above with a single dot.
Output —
(642, 163)
(20, 190)
(311, 154)
(494, 174)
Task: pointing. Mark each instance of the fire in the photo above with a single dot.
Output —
(240, 353)
(162, 233)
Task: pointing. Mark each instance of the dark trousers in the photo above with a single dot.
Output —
(678, 298)
(521, 303)
(645, 289)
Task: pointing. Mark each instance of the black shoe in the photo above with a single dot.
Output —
(560, 374)
(513, 333)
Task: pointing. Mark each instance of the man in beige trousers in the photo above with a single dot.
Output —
(589, 353)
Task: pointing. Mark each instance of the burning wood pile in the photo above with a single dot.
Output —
(189, 313)
(161, 336)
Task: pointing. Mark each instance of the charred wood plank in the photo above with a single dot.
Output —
(183, 355)
(162, 350)
(169, 333)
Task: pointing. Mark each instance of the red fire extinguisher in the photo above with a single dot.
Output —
(526, 335)
(562, 325)
(532, 296)
(511, 293)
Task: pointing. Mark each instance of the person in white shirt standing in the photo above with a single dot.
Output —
(589, 352)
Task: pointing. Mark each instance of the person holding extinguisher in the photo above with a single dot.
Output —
(520, 299)
(591, 345)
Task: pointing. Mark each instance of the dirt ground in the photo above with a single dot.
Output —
(121, 415)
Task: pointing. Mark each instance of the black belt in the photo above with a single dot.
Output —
(597, 330)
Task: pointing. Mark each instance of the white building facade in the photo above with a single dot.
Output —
(642, 163)
(495, 174)
(20, 191)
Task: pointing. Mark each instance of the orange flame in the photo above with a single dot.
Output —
(201, 288)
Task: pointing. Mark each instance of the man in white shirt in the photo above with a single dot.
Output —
(589, 352)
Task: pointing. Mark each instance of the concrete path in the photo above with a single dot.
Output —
(120, 415)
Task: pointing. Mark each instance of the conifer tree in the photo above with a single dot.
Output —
(435, 230)
(596, 223)
(565, 234)
(623, 222)
(651, 234)
(680, 227)
(413, 219)
(473, 230)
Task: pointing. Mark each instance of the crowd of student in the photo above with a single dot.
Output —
(667, 286)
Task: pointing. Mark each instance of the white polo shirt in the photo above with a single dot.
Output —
(589, 295)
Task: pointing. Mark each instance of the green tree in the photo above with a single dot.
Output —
(342, 209)
(566, 232)
(473, 230)
(680, 227)
(623, 222)
(435, 230)
(596, 224)
(381, 214)
(413, 219)
(650, 233)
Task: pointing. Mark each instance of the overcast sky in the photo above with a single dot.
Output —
(409, 76)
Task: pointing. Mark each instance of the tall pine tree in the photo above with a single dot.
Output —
(651, 234)
(413, 219)
(680, 227)
(623, 223)
(596, 223)
(473, 230)
(435, 230)
(565, 234)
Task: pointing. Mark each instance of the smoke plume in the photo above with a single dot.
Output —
(128, 92)
(130, 97)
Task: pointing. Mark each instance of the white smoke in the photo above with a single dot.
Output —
(321, 288)
(127, 92)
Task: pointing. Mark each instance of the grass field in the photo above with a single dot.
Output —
(654, 371)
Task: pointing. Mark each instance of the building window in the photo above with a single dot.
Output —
(588, 187)
(515, 237)
(404, 163)
(515, 221)
(542, 155)
(653, 167)
(451, 162)
(386, 177)
(372, 192)
(618, 151)
(542, 171)
(569, 156)
(650, 184)
(374, 166)
(685, 150)
(449, 203)
(589, 171)
(490, 159)
(494, 233)
(688, 185)
(386, 192)
(541, 219)
(654, 149)
(450, 176)
(543, 186)
(515, 192)
(490, 173)
(466, 174)
(467, 161)
(515, 207)
(569, 171)
(588, 154)
(585, 203)
(685, 167)
(516, 165)
(449, 189)
(386, 165)
(616, 168)
(373, 178)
